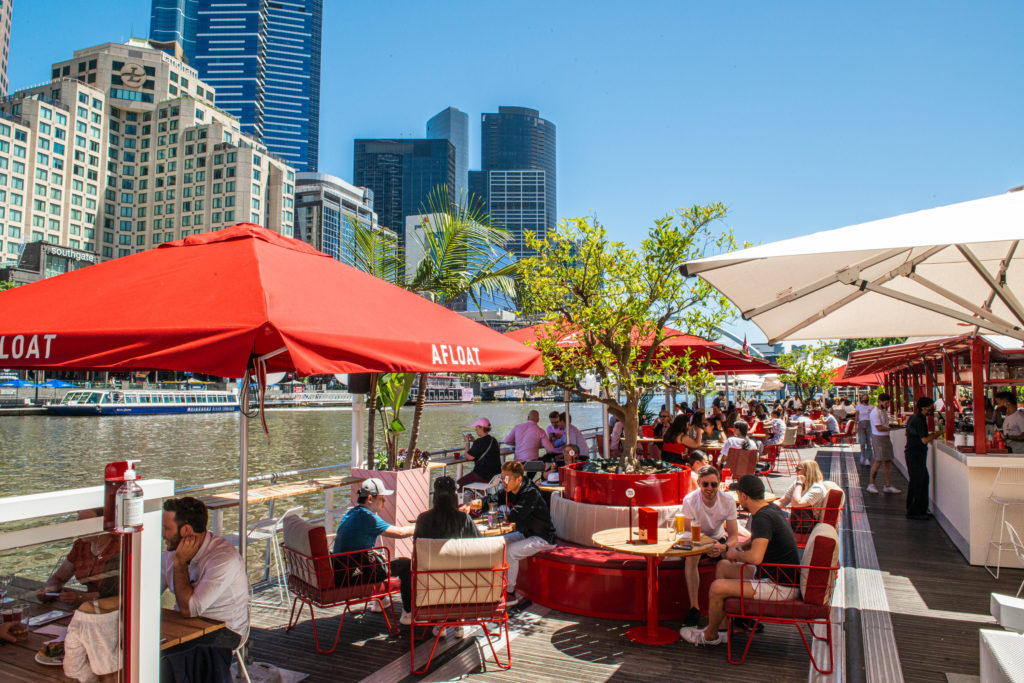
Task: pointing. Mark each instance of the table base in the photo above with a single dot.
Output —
(661, 636)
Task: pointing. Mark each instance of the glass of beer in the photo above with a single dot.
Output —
(695, 530)
(680, 523)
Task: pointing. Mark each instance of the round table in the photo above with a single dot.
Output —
(713, 449)
(617, 539)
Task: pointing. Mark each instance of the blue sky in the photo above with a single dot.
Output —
(800, 116)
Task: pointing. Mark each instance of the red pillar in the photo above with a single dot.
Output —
(929, 391)
(948, 397)
(978, 390)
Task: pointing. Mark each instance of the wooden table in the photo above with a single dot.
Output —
(617, 539)
(176, 629)
(499, 530)
(17, 660)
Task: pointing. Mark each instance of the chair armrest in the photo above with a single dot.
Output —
(797, 568)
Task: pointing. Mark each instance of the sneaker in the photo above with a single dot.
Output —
(511, 600)
(692, 617)
(405, 619)
(872, 488)
(892, 489)
(695, 636)
(374, 606)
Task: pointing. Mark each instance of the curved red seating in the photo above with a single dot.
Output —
(593, 582)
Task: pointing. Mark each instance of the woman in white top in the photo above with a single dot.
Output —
(808, 491)
(741, 440)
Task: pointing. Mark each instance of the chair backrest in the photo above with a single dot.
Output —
(741, 461)
(297, 510)
(647, 431)
(670, 447)
(817, 577)
(1018, 547)
(833, 505)
(458, 571)
(308, 559)
(534, 466)
(1009, 480)
(790, 438)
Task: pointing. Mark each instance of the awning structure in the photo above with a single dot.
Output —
(919, 352)
(840, 379)
(938, 272)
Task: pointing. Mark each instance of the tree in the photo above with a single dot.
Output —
(7, 284)
(617, 303)
(811, 368)
(846, 346)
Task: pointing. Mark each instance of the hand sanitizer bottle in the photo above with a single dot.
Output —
(128, 503)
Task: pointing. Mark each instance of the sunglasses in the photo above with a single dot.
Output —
(709, 484)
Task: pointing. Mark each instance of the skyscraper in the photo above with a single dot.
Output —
(453, 125)
(263, 57)
(5, 43)
(402, 174)
(518, 178)
(326, 209)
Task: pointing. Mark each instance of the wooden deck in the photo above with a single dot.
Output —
(933, 602)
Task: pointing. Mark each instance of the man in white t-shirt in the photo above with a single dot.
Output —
(863, 412)
(881, 445)
(1013, 423)
(715, 511)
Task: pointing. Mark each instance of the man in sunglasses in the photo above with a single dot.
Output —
(715, 511)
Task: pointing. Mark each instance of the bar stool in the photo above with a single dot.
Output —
(1007, 491)
(266, 530)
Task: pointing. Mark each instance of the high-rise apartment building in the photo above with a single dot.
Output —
(123, 150)
(402, 175)
(6, 14)
(517, 181)
(326, 211)
(453, 125)
(262, 57)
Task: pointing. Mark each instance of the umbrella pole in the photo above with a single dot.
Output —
(604, 419)
(243, 483)
(568, 417)
(727, 390)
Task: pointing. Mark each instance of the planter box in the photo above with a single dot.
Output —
(599, 488)
(411, 497)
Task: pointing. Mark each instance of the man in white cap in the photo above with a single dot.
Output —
(359, 530)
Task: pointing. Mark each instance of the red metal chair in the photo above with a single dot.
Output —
(808, 599)
(830, 512)
(459, 582)
(311, 577)
(848, 435)
(740, 462)
(788, 455)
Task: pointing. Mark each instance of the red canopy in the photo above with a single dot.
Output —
(720, 358)
(207, 302)
(869, 380)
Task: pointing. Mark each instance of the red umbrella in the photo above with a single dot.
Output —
(208, 302)
(869, 380)
(211, 303)
(720, 358)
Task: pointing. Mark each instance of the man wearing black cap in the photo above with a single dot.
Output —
(771, 542)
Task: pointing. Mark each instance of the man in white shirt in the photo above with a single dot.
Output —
(881, 445)
(207, 577)
(1013, 423)
(715, 511)
(863, 412)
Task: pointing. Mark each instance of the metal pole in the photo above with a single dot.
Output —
(607, 436)
(978, 389)
(568, 417)
(243, 484)
(727, 390)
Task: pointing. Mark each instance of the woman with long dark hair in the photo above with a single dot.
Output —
(444, 519)
(676, 441)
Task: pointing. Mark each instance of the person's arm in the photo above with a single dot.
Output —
(57, 580)
(545, 441)
(399, 531)
(685, 440)
(183, 588)
(510, 439)
(802, 498)
(754, 554)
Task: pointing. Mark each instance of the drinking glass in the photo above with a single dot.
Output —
(5, 582)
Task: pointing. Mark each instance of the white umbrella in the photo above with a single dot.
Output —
(937, 272)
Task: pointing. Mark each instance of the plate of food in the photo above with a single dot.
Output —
(51, 654)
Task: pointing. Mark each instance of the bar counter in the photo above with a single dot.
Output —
(960, 487)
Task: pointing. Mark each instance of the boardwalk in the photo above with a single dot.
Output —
(913, 610)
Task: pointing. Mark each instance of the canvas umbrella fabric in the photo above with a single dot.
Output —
(866, 380)
(245, 297)
(19, 383)
(938, 272)
(57, 384)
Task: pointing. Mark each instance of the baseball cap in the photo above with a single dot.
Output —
(751, 485)
(482, 422)
(375, 487)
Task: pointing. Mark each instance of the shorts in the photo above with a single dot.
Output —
(881, 448)
(766, 589)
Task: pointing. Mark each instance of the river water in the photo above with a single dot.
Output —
(49, 453)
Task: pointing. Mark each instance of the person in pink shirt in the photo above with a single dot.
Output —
(528, 438)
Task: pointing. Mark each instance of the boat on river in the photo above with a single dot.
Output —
(442, 389)
(144, 402)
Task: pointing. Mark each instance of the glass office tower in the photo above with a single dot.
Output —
(453, 125)
(263, 58)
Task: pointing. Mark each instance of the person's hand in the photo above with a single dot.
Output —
(476, 504)
(5, 632)
(72, 598)
(465, 508)
(730, 553)
(187, 549)
(41, 594)
(800, 478)
(717, 549)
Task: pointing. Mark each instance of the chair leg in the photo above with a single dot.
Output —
(430, 657)
(293, 620)
(508, 644)
(999, 547)
(241, 665)
(808, 645)
(750, 639)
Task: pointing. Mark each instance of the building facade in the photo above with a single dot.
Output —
(6, 15)
(123, 150)
(326, 211)
(518, 162)
(453, 125)
(262, 57)
(40, 260)
(402, 175)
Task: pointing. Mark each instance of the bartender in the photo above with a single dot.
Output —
(1013, 423)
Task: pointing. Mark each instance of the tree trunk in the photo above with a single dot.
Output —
(630, 432)
(371, 456)
(421, 398)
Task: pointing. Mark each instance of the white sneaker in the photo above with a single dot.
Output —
(405, 619)
(695, 636)
(872, 488)
(892, 489)
(374, 606)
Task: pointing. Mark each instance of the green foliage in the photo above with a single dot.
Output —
(846, 346)
(392, 393)
(617, 302)
(811, 368)
(7, 284)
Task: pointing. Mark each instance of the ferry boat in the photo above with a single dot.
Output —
(442, 389)
(144, 402)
